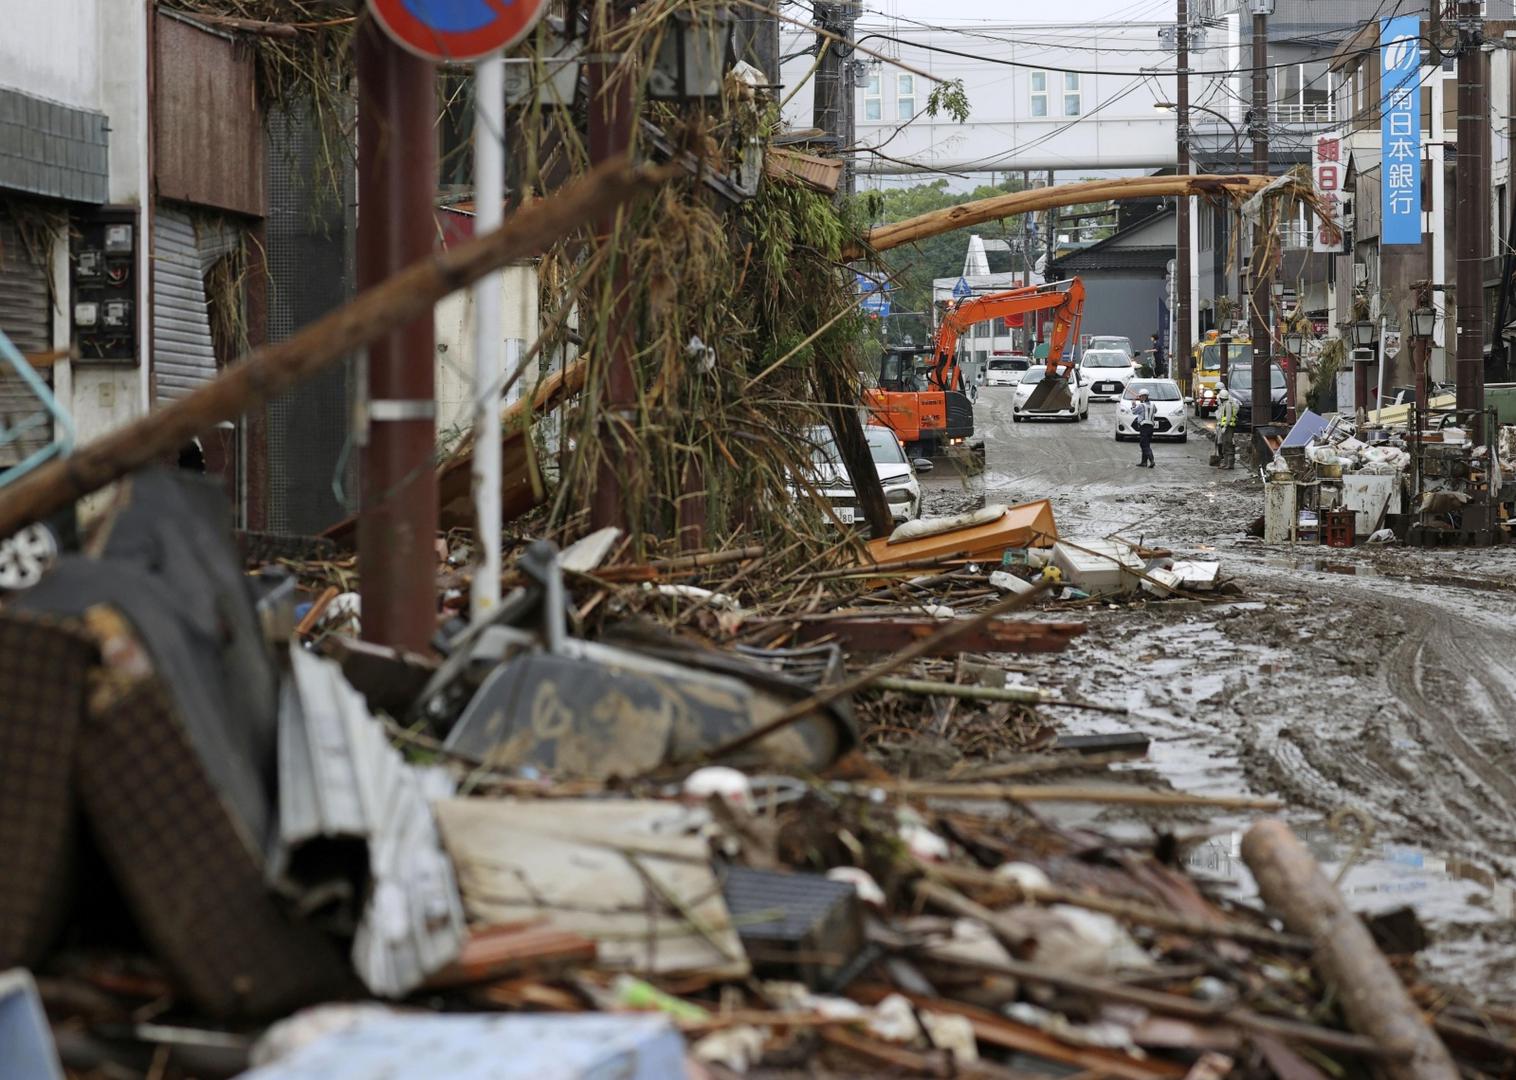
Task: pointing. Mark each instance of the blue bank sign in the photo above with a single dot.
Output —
(1400, 100)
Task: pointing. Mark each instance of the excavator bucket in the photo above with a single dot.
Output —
(1050, 395)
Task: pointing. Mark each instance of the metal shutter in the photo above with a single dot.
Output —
(27, 319)
(183, 356)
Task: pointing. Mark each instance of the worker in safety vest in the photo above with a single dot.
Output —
(1226, 429)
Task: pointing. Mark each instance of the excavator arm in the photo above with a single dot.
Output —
(1064, 298)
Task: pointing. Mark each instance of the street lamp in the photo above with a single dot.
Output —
(692, 57)
(1423, 324)
(1261, 7)
(1365, 333)
(1294, 343)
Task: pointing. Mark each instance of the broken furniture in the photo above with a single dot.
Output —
(574, 708)
(978, 536)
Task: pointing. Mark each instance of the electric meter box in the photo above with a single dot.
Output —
(103, 251)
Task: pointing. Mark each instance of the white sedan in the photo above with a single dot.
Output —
(1005, 370)
(901, 488)
(1077, 409)
(1165, 395)
(1107, 371)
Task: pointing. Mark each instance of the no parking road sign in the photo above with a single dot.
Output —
(457, 29)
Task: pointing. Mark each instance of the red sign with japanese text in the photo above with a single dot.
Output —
(1328, 173)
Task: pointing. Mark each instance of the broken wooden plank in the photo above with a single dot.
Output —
(272, 369)
(1373, 998)
(898, 632)
(492, 953)
(1115, 796)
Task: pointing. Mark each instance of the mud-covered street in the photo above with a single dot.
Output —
(1373, 689)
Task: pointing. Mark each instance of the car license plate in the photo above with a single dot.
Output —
(844, 514)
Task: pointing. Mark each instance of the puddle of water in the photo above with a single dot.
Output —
(1325, 566)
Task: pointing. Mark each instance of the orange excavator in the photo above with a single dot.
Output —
(921, 394)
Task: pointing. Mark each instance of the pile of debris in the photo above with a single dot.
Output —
(656, 817)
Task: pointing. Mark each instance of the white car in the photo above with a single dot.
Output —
(901, 488)
(1107, 371)
(1110, 341)
(830, 477)
(1006, 370)
(1163, 393)
(1078, 408)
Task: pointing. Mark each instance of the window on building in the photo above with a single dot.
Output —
(1039, 93)
(873, 102)
(1071, 94)
(905, 97)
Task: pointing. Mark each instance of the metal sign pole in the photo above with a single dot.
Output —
(489, 343)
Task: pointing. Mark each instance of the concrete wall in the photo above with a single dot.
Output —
(1122, 302)
(454, 322)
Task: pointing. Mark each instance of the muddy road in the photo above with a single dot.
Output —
(1373, 689)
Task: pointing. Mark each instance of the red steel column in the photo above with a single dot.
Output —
(397, 180)
(610, 133)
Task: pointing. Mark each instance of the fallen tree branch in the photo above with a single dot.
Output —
(272, 369)
(1025, 202)
(1373, 998)
(1018, 695)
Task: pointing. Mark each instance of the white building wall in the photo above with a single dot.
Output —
(1113, 125)
(91, 54)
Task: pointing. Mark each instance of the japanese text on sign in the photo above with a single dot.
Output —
(1400, 95)
(1327, 173)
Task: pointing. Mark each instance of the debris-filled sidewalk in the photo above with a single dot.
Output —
(662, 813)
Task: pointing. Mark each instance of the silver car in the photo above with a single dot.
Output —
(901, 488)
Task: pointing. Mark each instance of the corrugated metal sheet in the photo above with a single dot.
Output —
(340, 779)
(26, 317)
(184, 357)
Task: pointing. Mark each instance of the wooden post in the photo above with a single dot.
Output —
(271, 370)
(1344, 953)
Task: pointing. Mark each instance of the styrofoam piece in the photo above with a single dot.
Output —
(1010, 582)
(1097, 565)
(1160, 582)
(420, 1046)
(1197, 574)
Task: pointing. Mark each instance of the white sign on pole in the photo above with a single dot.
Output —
(1328, 171)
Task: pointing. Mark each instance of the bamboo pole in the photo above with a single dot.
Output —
(1114, 796)
(1025, 202)
(1374, 1000)
(272, 369)
(1019, 695)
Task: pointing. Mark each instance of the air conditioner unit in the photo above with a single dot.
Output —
(1360, 273)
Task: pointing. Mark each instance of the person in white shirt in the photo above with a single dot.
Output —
(1145, 416)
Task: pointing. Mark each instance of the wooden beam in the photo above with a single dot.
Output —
(272, 369)
(1047, 198)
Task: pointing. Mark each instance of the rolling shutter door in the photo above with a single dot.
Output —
(183, 356)
(27, 319)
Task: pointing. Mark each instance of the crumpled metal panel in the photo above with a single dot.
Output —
(341, 780)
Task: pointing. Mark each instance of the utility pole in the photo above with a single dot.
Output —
(832, 112)
(397, 182)
(610, 134)
(832, 109)
(1263, 340)
(1180, 347)
(1472, 186)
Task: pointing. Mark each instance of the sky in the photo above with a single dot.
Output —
(950, 11)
